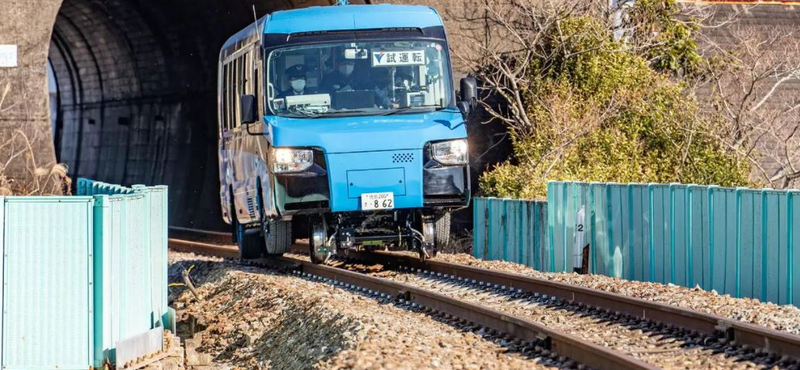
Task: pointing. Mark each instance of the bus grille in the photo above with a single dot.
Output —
(403, 158)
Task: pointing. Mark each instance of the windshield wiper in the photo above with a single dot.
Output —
(333, 113)
(406, 109)
(304, 114)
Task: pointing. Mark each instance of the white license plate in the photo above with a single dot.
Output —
(373, 201)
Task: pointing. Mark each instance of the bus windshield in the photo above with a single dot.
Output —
(358, 78)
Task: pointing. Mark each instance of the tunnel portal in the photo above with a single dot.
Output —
(136, 93)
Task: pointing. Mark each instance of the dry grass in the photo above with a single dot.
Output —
(48, 179)
(21, 172)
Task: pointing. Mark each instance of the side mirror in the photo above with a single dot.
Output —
(464, 107)
(248, 109)
(469, 91)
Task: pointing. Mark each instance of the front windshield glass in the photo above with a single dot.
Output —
(375, 77)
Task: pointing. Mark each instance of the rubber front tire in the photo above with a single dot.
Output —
(442, 227)
(279, 238)
(251, 246)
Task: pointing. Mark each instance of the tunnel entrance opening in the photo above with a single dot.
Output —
(136, 94)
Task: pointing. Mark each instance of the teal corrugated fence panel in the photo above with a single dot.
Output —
(124, 274)
(156, 210)
(737, 241)
(510, 230)
(80, 274)
(47, 296)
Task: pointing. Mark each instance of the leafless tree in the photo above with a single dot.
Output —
(752, 78)
(501, 43)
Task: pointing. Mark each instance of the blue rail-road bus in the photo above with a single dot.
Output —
(340, 124)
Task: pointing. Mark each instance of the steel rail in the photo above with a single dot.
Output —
(574, 348)
(770, 340)
(740, 333)
(206, 235)
(188, 246)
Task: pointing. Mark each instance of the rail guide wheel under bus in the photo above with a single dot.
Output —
(409, 230)
(321, 247)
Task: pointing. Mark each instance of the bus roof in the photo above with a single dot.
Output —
(351, 17)
(335, 18)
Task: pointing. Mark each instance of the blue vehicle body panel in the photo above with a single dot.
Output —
(353, 174)
(351, 17)
(362, 154)
(386, 179)
(367, 133)
(371, 154)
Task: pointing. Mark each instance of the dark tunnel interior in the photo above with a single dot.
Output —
(136, 96)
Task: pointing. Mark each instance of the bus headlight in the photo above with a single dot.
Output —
(285, 160)
(450, 152)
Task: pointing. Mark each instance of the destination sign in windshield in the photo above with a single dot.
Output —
(398, 58)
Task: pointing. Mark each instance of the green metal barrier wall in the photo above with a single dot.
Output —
(510, 230)
(740, 242)
(81, 273)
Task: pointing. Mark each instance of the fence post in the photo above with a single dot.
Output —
(789, 248)
(690, 238)
(165, 248)
(486, 216)
(711, 236)
(738, 268)
(672, 233)
(551, 225)
(2, 263)
(630, 248)
(475, 210)
(100, 263)
(155, 314)
(593, 230)
(504, 220)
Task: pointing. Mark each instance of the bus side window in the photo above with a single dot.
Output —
(248, 73)
(223, 123)
(236, 80)
(240, 87)
(256, 83)
(231, 91)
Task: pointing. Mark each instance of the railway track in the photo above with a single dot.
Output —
(743, 334)
(500, 302)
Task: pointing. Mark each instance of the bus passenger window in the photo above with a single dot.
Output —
(256, 84)
(224, 116)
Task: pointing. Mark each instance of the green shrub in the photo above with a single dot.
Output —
(599, 111)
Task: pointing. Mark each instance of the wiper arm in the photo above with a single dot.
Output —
(305, 114)
(312, 115)
(406, 109)
(332, 113)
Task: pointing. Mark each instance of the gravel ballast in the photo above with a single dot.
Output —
(664, 348)
(779, 317)
(252, 318)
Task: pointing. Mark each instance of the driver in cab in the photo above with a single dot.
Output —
(297, 81)
(343, 78)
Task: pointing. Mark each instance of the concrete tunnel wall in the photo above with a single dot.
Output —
(137, 93)
(25, 140)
